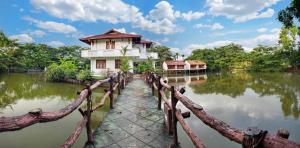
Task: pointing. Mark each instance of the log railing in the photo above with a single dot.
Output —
(38, 116)
(248, 138)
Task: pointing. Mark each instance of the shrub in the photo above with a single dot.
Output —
(69, 68)
(54, 73)
(84, 75)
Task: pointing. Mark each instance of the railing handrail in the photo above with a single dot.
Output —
(269, 140)
(33, 117)
(38, 116)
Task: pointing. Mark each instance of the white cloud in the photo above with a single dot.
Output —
(56, 43)
(275, 30)
(122, 30)
(228, 32)
(192, 15)
(215, 26)
(22, 38)
(164, 40)
(160, 20)
(37, 33)
(52, 26)
(269, 39)
(241, 11)
(262, 30)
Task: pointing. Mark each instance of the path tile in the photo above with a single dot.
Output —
(134, 122)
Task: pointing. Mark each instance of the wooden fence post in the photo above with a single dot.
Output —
(88, 114)
(174, 119)
(119, 83)
(152, 86)
(158, 92)
(111, 96)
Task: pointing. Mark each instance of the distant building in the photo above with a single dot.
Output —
(188, 65)
(105, 52)
(173, 65)
(195, 65)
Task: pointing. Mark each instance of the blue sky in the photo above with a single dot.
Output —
(183, 25)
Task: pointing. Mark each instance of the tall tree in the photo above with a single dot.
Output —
(291, 14)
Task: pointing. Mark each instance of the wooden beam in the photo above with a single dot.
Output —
(74, 136)
(197, 142)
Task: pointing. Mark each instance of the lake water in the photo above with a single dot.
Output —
(20, 93)
(267, 100)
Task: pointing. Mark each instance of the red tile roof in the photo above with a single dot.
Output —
(174, 62)
(196, 62)
(145, 42)
(111, 34)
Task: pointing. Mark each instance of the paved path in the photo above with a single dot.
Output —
(134, 121)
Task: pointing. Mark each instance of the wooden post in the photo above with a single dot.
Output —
(111, 96)
(283, 133)
(88, 114)
(174, 119)
(152, 86)
(158, 92)
(119, 83)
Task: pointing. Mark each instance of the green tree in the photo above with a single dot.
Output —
(164, 53)
(291, 14)
(37, 55)
(264, 58)
(124, 61)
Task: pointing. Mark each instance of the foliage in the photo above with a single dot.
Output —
(125, 67)
(144, 66)
(164, 53)
(84, 74)
(291, 14)
(227, 57)
(54, 73)
(69, 68)
(265, 58)
(36, 56)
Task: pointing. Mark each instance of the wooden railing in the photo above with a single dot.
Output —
(116, 82)
(250, 138)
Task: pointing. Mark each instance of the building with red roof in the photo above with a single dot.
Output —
(105, 51)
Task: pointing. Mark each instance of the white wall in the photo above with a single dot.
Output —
(119, 43)
(187, 65)
(110, 66)
(165, 66)
(141, 47)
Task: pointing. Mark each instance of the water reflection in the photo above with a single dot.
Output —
(285, 86)
(20, 93)
(267, 100)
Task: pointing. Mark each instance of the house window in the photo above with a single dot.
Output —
(112, 43)
(117, 64)
(107, 45)
(193, 66)
(180, 66)
(171, 66)
(100, 64)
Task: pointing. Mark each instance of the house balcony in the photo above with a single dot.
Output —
(104, 53)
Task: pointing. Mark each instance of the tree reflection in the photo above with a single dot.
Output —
(285, 86)
(22, 86)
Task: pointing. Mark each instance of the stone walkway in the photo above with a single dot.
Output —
(134, 121)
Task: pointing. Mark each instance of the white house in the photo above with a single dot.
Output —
(105, 52)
